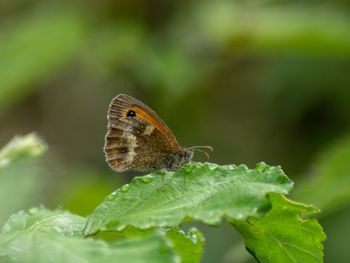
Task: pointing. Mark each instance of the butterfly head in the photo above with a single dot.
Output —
(185, 155)
(179, 158)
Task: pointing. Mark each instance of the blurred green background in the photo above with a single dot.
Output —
(257, 80)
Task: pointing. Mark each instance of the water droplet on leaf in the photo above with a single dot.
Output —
(261, 166)
(212, 166)
(188, 168)
(125, 188)
(112, 196)
(243, 167)
(146, 179)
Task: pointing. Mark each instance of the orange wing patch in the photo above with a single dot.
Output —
(154, 122)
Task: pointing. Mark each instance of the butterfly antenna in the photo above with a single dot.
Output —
(206, 154)
(201, 147)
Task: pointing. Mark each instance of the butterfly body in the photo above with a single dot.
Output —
(137, 139)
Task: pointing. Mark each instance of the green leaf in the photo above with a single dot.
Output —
(285, 234)
(210, 193)
(36, 247)
(21, 147)
(189, 246)
(44, 220)
(328, 187)
(42, 234)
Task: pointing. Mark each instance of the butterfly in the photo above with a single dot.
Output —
(137, 139)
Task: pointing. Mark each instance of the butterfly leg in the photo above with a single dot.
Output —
(162, 181)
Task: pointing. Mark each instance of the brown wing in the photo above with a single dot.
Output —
(137, 138)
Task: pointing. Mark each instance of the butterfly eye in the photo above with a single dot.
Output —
(131, 114)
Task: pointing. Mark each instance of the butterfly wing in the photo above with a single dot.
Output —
(137, 139)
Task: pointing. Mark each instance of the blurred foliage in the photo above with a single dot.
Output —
(276, 28)
(34, 46)
(258, 80)
(19, 180)
(21, 147)
(39, 234)
(326, 186)
(329, 179)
